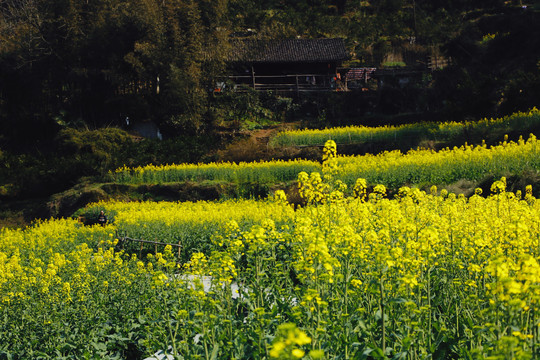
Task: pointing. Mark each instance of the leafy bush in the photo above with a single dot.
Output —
(389, 64)
(95, 150)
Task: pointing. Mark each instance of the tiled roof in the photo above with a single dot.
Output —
(288, 50)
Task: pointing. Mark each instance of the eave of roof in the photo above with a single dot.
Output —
(288, 50)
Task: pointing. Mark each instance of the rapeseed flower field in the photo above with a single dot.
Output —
(413, 133)
(353, 274)
(391, 168)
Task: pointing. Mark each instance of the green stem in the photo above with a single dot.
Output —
(429, 306)
(534, 331)
(204, 336)
(383, 328)
(346, 309)
(171, 334)
(457, 320)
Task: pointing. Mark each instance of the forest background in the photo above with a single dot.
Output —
(72, 71)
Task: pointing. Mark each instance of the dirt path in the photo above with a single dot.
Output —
(263, 135)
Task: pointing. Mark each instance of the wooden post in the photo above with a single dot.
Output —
(253, 77)
(297, 88)
(140, 251)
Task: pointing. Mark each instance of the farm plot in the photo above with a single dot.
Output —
(352, 274)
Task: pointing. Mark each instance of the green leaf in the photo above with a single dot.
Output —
(215, 352)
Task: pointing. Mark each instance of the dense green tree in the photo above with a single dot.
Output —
(99, 61)
(92, 63)
(495, 68)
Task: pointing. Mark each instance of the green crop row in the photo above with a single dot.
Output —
(393, 169)
(243, 173)
(414, 134)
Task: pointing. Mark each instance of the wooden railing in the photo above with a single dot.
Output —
(347, 79)
(292, 82)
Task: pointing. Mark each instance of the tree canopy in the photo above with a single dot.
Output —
(70, 60)
(94, 63)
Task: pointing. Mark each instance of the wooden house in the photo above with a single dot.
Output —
(288, 64)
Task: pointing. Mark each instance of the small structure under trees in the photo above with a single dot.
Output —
(287, 64)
